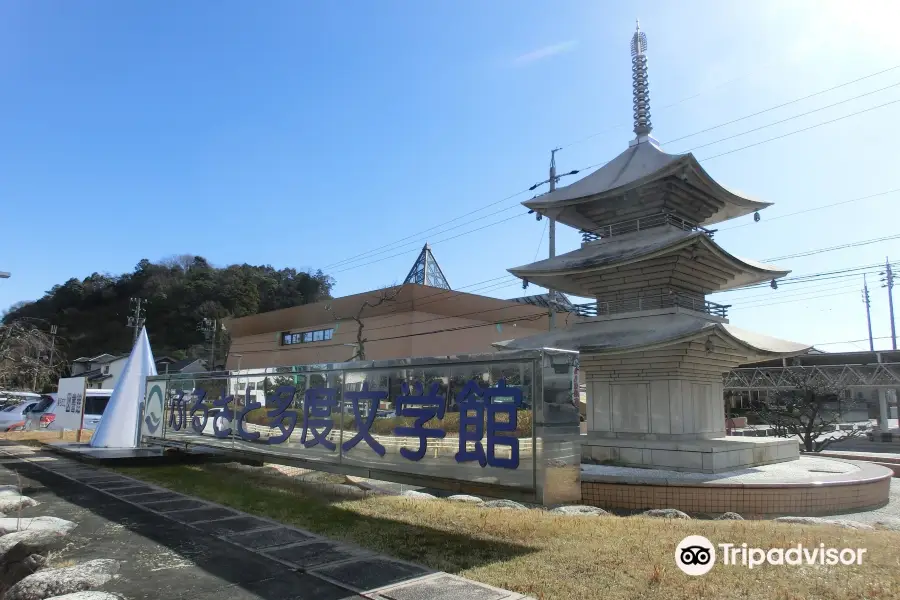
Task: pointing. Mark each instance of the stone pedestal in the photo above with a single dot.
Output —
(714, 455)
(664, 409)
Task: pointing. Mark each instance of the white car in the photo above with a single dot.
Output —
(13, 416)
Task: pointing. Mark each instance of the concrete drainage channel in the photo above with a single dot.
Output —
(302, 565)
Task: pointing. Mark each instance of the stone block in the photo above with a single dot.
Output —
(692, 461)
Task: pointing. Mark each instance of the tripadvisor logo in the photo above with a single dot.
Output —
(153, 419)
(696, 555)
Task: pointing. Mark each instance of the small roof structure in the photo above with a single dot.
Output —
(643, 333)
(611, 187)
(426, 271)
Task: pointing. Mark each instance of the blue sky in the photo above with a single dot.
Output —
(302, 134)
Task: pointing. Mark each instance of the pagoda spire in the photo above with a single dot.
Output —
(640, 83)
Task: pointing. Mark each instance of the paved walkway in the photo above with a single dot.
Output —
(175, 546)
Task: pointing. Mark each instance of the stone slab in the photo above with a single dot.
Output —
(136, 490)
(170, 505)
(287, 586)
(371, 573)
(112, 483)
(270, 538)
(233, 525)
(154, 497)
(309, 555)
(443, 587)
(194, 515)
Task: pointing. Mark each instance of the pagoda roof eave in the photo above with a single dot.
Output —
(640, 246)
(636, 167)
(635, 334)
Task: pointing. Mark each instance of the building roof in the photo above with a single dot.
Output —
(638, 166)
(176, 366)
(406, 298)
(618, 251)
(543, 300)
(631, 334)
(100, 358)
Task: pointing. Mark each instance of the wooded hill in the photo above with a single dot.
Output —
(92, 314)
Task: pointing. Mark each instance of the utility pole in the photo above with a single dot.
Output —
(53, 331)
(888, 282)
(210, 327)
(865, 298)
(136, 320)
(552, 229)
(551, 240)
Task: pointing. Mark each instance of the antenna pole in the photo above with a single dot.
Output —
(868, 313)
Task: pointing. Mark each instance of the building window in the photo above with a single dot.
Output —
(105, 369)
(306, 337)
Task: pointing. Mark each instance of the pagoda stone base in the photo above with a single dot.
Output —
(714, 455)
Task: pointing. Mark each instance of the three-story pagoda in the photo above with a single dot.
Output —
(652, 348)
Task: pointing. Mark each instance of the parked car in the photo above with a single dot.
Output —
(9, 399)
(95, 402)
(13, 416)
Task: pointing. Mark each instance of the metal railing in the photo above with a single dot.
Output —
(652, 302)
(641, 224)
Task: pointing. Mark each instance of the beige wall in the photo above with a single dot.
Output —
(402, 332)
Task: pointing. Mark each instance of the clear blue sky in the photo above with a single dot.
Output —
(304, 133)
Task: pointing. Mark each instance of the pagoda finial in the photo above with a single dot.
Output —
(640, 82)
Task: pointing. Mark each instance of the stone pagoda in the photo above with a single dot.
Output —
(653, 349)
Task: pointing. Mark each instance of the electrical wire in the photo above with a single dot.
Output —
(510, 197)
(785, 120)
(790, 133)
(833, 248)
(782, 105)
(809, 210)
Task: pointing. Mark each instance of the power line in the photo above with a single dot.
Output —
(433, 243)
(851, 341)
(778, 137)
(419, 234)
(785, 120)
(783, 104)
(666, 107)
(833, 248)
(808, 210)
(392, 245)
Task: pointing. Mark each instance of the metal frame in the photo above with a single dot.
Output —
(555, 439)
(878, 375)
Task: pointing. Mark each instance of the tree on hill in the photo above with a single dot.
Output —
(91, 314)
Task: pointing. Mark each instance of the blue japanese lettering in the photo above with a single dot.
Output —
(198, 424)
(226, 414)
(177, 415)
(318, 404)
(422, 408)
(494, 426)
(250, 436)
(282, 398)
(471, 399)
(362, 428)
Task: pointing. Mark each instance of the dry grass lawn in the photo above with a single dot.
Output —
(556, 557)
(45, 435)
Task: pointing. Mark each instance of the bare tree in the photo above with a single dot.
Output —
(810, 411)
(383, 296)
(29, 358)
